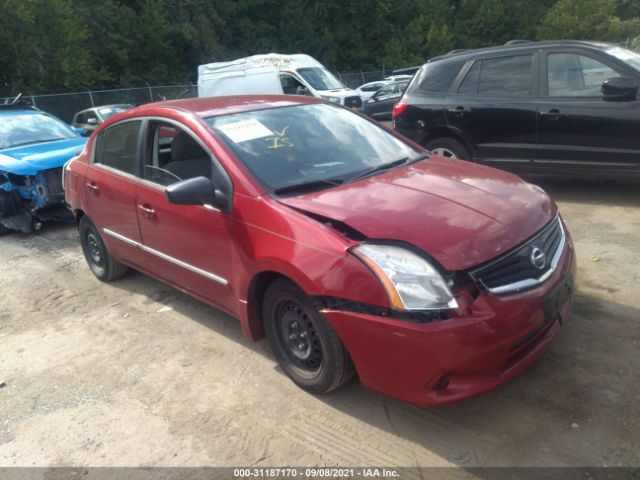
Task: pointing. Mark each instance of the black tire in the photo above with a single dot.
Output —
(100, 261)
(4, 230)
(449, 148)
(315, 359)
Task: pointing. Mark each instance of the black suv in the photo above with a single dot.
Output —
(563, 107)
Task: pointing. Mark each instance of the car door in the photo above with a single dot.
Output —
(187, 245)
(577, 127)
(110, 189)
(493, 105)
(380, 105)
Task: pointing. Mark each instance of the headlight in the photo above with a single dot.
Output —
(410, 281)
(333, 99)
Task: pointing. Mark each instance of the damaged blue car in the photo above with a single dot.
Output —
(34, 146)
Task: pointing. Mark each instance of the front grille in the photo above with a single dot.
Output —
(518, 270)
(353, 102)
(53, 180)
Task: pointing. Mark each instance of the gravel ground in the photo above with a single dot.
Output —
(135, 373)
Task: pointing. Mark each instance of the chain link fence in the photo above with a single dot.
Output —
(66, 105)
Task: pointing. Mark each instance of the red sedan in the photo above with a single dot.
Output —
(351, 248)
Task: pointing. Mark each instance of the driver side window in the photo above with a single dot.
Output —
(574, 75)
(292, 86)
(174, 155)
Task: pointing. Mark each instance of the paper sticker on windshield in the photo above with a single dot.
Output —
(245, 130)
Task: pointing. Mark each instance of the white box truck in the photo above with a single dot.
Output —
(274, 74)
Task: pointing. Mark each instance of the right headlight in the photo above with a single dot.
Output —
(411, 282)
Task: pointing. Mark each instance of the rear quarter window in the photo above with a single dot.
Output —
(437, 77)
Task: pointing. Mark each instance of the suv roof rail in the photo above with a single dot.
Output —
(517, 42)
(456, 50)
(18, 102)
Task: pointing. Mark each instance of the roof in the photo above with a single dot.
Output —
(268, 60)
(521, 45)
(213, 106)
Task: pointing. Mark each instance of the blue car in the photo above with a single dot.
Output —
(34, 146)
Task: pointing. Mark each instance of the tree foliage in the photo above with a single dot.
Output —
(56, 45)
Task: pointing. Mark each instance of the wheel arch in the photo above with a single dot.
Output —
(448, 132)
(78, 213)
(253, 326)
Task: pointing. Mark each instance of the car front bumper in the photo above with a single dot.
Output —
(446, 361)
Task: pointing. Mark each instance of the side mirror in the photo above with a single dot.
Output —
(620, 88)
(197, 191)
(92, 121)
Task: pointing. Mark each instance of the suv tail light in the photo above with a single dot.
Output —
(398, 108)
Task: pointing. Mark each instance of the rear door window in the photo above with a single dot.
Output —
(506, 76)
(469, 85)
(117, 147)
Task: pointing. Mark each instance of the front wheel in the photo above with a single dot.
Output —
(305, 345)
(449, 148)
(100, 261)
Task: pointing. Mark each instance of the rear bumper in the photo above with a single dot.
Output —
(447, 361)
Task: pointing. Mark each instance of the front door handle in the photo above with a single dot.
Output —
(553, 114)
(93, 187)
(147, 211)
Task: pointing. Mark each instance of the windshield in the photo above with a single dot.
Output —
(320, 79)
(305, 144)
(29, 128)
(106, 112)
(627, 56)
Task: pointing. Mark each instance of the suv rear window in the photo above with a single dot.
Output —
(437, 77)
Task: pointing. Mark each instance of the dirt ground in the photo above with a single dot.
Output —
(135, 373)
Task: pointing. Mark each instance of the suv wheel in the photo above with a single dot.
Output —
(305, 345)
(449, 148)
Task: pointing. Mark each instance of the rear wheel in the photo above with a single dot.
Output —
(305, 345)
(4, 230)
(449, 148)
(100, 261)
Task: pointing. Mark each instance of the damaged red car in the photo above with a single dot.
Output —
(352, 249)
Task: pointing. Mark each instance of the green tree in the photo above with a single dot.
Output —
(587, 20)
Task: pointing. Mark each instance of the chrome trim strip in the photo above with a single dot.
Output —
(122, 238)
(168, 258)
(532, 282)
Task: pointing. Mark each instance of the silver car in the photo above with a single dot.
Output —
(90, 118)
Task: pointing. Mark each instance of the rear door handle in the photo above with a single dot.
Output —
(458, 111)
(93, 187)
(553, 114)
(147, 211)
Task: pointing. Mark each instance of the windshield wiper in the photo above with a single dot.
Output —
(313, 185)
(389, 166)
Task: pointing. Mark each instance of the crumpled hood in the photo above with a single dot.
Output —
(460, 213)
(29, 159)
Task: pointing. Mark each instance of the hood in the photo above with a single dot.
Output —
(460, 213)
(29, 159)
